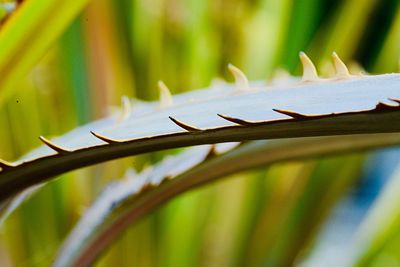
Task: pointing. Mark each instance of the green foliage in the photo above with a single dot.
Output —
(63, 64)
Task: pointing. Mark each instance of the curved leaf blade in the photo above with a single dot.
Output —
(124, 202)
(368, 104)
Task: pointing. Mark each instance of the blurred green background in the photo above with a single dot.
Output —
(267, 217)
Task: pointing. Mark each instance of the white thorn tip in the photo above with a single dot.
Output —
(340, 67)
(165, 95)
(240, 78)
(309, 71)
(126, 108)
(5, 165)
(53, 146)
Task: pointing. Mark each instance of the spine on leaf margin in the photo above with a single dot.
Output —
(311, 106)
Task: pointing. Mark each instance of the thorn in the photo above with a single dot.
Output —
(55, 147)
(126, 108)
(236, 120)
(240, 78)
(395, 100)
(385, 107)
(292, 114)
(309, 71)
(184, 125)
(212, 152)
(4, 165)
(165, 95)
(341, 69)
(105, 139)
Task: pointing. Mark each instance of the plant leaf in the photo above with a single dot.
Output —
(27, 35)
(366, 104)
(380, 225)
(124, 202)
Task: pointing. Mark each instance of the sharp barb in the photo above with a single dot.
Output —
(309, 71)
(55, 147)
(241, 81)
(341, 69)
(292, 114)
(184, 125)
(212, 152)
(126, 108)
(236, 120)
(105, 139)
(165, 95)
(4, 165)
(395, 100)
(385, 107)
